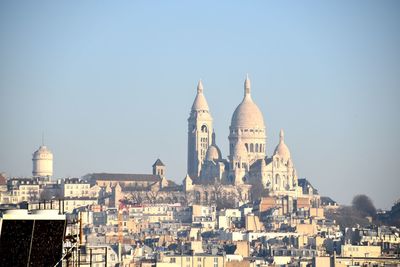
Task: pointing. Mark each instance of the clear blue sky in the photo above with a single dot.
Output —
(111, 83)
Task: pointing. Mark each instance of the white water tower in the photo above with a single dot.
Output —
(42, 162)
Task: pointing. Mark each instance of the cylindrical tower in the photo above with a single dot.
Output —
(42, 162)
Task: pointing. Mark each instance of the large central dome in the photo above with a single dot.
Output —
(247, 126)
(247, 114)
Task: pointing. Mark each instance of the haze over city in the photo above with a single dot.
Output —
(111, 85)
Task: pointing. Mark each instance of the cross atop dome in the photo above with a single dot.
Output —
(247, 85)
(200, 87)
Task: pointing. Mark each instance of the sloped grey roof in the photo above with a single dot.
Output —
(327, 200)
(124, 177)
(158, 163)
(304, 183)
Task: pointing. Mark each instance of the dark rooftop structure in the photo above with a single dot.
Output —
(123, 177)
(307, 186)
(327, 201)
(158, 163)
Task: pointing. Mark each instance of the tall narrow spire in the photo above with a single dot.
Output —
(200, 87)
(213, 142)
(247, 86)
(281, 136)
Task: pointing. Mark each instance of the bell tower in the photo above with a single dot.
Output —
(200, 131)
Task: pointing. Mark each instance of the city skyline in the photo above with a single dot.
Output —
(111, 94)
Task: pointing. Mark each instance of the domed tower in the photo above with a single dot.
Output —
(239, 163)
(213, 151)
(200, 131)
(281, 150)
(282, 171)
(248, 121)
(42, 162)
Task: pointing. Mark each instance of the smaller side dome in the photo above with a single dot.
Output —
(213, 153)
(281, 149)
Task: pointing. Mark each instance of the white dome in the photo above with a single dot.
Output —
(247, 114)
(43, 150)
(281, 149)
(213, 153)
(200, 102)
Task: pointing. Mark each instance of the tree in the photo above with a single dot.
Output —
(227, 201)
(257, 190)
(135, 197)
(223, 199)
(364, 205)
(347, 216)
(152, 196)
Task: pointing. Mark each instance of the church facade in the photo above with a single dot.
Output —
(247, 163)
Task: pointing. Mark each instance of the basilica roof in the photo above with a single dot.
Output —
(124, 177)
(247, 114)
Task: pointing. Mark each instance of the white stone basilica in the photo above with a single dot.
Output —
(247, 162)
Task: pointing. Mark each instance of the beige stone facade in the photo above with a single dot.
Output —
(247, 162)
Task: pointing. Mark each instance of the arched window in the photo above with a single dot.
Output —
(257, 148)
(213, 196)
(204, 129)
(251, 148)
(277, 179)
(206, 196)
(247, 147)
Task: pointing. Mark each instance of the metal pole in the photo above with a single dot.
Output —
(90, 257)
(105, 251)
(79, 256)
